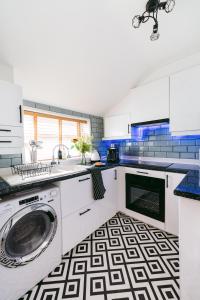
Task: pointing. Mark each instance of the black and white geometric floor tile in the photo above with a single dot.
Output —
(124, 259)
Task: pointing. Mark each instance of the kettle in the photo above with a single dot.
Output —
(95, 156)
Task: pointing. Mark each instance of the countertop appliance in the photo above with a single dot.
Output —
(95, 157)
(112, 154)
(30, 239)
(146, 195)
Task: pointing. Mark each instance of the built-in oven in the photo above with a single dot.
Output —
(146, 195)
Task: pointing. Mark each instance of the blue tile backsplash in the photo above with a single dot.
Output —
(155, 141)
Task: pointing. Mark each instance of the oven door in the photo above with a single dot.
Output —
(27, 234)
(146, 195)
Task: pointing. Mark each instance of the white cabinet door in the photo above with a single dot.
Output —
(11, 142)
(117, 126)
(75, 194)
(185, 102)
(171, 203)
(11, 104)
(109, 203)
(150, 102)
(189, 248)
(11, 131)
(78, 225)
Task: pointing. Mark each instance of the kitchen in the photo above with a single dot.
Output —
(99, 150)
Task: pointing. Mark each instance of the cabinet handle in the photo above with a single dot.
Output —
(115, 175)
(5, 130)
(167, 181)
(5, 142)
(88, 178)
(20, 114)
(128, 128)
(139, 172)
(84, 212)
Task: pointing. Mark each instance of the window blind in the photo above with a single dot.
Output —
(52, 130)
(28, 128)
(85, 129)
(28, 134)
(70, 132)
(48, 134)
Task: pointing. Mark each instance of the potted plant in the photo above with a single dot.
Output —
(83, 145)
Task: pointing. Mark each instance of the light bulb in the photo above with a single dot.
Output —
(136, 22)
(154, 36)
(169, 6)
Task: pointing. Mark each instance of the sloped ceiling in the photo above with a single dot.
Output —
(84, 54)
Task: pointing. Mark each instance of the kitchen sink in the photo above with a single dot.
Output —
(56, 171)
(67, 169)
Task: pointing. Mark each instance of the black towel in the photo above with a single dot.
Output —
(98, 186)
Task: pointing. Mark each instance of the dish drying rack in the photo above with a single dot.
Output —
(31, 170)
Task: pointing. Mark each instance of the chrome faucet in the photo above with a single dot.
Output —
(59, 146)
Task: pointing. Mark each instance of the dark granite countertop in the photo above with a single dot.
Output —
(182, 168)
(189, 187)
(150, 165)
(6, 189)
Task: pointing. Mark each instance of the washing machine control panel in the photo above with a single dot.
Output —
(29, 200)
(43, 196)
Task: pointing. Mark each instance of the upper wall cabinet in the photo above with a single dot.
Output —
(117, 127)
(150, 102)
(11, 104)
(185, 102)
(11, 129)
(145, 103)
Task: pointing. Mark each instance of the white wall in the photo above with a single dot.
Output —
(6, 72)
(174, 67)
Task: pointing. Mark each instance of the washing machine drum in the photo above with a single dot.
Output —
(27, 234)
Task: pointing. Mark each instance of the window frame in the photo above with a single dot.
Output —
(35, 114)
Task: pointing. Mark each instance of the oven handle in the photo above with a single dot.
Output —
(140, 172)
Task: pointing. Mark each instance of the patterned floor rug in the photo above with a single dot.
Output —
(124, 259)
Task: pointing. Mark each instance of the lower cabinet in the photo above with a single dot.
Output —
(75, 194)
(108, 205)
(77, 226)
(171, 203)
(189, 248)
(81, 215)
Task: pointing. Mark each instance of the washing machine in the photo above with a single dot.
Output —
(30, 239)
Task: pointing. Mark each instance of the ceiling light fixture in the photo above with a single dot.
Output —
(152, 8)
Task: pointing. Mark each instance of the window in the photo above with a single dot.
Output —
(52, 130)
(48, 134)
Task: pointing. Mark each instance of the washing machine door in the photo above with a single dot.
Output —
(27, 234)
